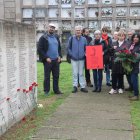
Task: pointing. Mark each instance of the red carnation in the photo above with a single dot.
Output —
(18, 89)
(27, 91)
(23, 119)
(33, 84)
(36, 85)
(8, 99)
(24, 90)
(30, 88)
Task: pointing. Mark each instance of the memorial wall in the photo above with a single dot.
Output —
(18, 79)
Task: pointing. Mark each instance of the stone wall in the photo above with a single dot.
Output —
(18, 82)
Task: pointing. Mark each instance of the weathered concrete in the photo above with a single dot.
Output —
(89, 116)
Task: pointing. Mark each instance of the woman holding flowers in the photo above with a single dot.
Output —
(135, 49)
(117, 69)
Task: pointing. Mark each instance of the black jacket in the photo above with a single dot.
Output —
(117, 66)
(136, 49)
(43, 47)
(107, 56)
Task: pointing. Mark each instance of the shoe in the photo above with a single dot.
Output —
(95, 90)
(134, 98)
(89, 84)
(99, 90)
(84, 90)
(46, 93)
(108, 84)
(130, 96)
(129, 89)
(58, 92)
(120, 91)
(112, 91)
(74, 89)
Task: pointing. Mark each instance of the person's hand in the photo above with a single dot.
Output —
(59, 60)
(48, 60)
(114, 47)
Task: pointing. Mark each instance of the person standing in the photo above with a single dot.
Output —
(107, 57)
(98, 73)
(130, 32)
(117, 69)
(135, 48)
(85, 33)
(76, 50)
(49, 50)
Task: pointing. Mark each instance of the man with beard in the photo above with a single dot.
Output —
(49, 50)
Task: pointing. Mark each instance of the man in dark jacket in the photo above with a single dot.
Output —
(49, 50)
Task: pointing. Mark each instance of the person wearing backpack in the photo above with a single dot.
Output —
(76, 50)
(49, 50)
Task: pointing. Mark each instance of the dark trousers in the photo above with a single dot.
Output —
(117, 81)
(128, 77)
(87, 74)
(48, 68)
(98, 77)
(134, 81)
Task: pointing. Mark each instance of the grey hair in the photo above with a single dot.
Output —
(97, 32)
(79, 27)
(131, 30)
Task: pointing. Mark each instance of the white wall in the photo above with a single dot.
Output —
(17, 72)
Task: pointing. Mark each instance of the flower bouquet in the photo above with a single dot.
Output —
(127, 58)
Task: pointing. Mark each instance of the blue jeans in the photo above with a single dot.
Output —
(98, 77)
(78, 69)
(107, 70)
(134, 81)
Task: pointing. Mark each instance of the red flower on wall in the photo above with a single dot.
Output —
(24, 90)
(30, 88)
(18, 89)
(7, 99)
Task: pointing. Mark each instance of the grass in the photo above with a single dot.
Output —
(26, 128)
(29, 125)
(135, 113)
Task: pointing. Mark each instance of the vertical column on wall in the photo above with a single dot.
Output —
(24, 68)
(3, 83)
(32, 66)
(11, 71)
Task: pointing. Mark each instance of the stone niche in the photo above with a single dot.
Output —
(120, 1)
(121, 11)
(106, 24)
(121, 24)
(66, 13)
(27, 2)
(18, 78)
(107, 1)
(27, 13)
(135, 11)
(106, 12)
(134, 24)
(93, 25)
(53, 2)
(79, 13)
(93, 12)
(40, 2)
(135, 1)
(53, 13)
(93, 1)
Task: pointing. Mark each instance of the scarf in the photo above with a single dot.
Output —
(105, 38)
